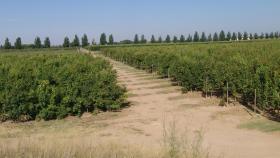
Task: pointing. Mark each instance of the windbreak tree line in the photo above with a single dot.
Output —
(18, 43)
(240, 68)
(196, 37)
(221, 36)
(55, 85)
(38, 43)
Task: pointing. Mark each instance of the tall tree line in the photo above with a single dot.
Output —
(196, 37)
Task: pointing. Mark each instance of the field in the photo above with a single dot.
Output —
(247, 71)
(159, 120)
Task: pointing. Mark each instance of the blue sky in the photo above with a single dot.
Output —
(124, 18)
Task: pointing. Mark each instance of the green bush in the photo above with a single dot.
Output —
(54, 85)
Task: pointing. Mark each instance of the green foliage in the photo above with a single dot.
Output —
(266, 36)
(256, 36)
(245, 66)
(103, 39)
(196, 37)
(262, 36)
(18, 44)
(168, 39)
(153, 40)
(143, 39)
(47, 43)
(203, 37)
(37, 43)
(222, 36)
(216, 37)
(245, 36)
(182, 38)
(175, 39)
(189, 39)
(136, 39)
(209, 38)
(85, 41)
(76, 42)
(54, 85)
(111, 39)
(160, 40)
(66, 42)
(276, 35)
(234, 36)
(239, 35)
(271, 35)
(7, 44)
(229, 36)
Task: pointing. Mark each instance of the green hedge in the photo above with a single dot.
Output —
(54, 85)
(210, 67)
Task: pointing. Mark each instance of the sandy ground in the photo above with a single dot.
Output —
(154, 104)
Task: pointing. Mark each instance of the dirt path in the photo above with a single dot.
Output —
(155, 101)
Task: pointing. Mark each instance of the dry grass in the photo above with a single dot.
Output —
(61, 144)
(178, 145)
(75, 148)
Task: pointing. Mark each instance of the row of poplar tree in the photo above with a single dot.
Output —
(222, 36)
(18, 43)
(47, 43)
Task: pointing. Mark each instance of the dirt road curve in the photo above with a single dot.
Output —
(155, 101)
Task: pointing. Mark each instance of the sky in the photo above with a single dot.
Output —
(125, 18)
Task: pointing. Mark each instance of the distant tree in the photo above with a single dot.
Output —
(189, 39)
(266, 35)
(262, 36)
(85, 41)
(168, 39)
(111, 39)
(239, 35)
(143, 39)
(182, 38)
(256, 36)
(175, 39)
(209, 38)
(229, 37)
(37, 43)
(222, 36)
(47, 42)
(18, 44)
(203, 37)
(153, 40)
(245, 36)
(66, 42)
(215, 37)
(196, 37)
(234, 36)
(76, 42)
(126, 42)
(271, 35)
(276, 34)
(136, 39)
(251, 36)
(159, 39)
(103, 39)
(7, 44)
